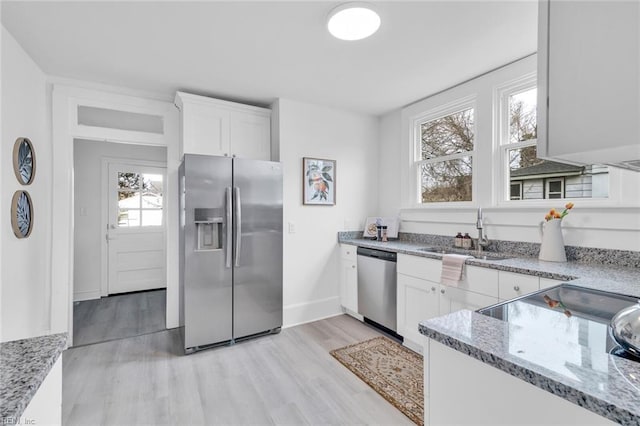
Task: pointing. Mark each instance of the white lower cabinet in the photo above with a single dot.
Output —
(513, 285)
(417, 300)
(420, 295)
(460, 390)
(464, 299)
(349, 279)
(45, 408)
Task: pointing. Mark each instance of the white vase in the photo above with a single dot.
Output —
(552, 247)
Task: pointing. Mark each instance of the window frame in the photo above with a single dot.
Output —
(458, 105)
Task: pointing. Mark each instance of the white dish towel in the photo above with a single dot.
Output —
(452, 268)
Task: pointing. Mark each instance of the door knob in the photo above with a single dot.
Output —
(516, 288)
(442, 291)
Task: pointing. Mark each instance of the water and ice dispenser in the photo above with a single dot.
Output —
(208, 229)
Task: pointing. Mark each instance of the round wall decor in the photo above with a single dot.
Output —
(24, 161)
(21, 214)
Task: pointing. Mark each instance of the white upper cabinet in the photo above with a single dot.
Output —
(589, 75)
(214, 127)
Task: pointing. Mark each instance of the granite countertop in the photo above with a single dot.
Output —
(604, 384)
(616, 279)
(24, 364)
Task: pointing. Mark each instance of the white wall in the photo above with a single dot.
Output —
(311, 258)
(389, 198)
(26, 263)
(612, 223)
(88, 203)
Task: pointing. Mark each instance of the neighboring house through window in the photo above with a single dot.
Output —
(527, 176)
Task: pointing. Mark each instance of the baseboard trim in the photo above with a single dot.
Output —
(302, 313)
(86, 295)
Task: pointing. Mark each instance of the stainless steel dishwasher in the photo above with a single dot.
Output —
(377, 286)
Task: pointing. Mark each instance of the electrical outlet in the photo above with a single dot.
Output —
(292, 228)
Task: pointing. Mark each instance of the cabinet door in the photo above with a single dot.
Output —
(420, 267)
(417, 301)
(349, 285)
(463, 299)
(251, 135)
(590, 56)
(205, 129)
(549, 282)
(514, 285)
(480, 280)
(444, 300)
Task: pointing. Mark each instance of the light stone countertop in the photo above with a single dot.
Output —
(24, 364)
(616, 279)
(602, 383)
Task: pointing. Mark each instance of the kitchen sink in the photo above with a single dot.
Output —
(474, 254)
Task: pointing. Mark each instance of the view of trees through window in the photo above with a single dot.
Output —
(446, 154)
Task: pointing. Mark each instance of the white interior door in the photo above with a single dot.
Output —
(136, 228)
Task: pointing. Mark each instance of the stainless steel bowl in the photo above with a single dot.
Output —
(625, 328)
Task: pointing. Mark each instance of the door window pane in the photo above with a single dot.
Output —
(128, 180)
(140, 199)
(151, 218)
(128, 218)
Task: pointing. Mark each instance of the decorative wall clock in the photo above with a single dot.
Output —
(24, 161)
(21, 214)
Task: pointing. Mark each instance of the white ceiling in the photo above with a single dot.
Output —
(258, 51)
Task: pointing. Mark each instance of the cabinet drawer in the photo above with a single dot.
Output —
(514, 285)
(480, 280)
(348, 252)
(548, 282)
(420, 267)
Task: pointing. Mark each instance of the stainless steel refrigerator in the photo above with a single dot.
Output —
(230, 249)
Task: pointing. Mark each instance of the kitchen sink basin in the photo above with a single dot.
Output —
(474, 254)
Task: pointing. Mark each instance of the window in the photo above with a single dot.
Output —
(528, 177)
(515, 190)
(555, 188)
(445, 155)
(139, 199)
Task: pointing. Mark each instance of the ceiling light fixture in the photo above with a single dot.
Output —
(353, 21)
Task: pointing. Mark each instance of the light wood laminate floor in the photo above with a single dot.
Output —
(287, 378)
(119, 316)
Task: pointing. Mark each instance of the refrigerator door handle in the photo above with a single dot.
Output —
(238, 219)
(229, 228)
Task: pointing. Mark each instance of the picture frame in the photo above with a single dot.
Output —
(21, 214)
(318, 182)
(24, 161)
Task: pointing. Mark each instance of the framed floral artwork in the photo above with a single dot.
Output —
(318, 182)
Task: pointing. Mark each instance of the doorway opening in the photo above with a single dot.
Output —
(119, 284)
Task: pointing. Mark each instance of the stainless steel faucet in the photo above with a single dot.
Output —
(483, 241)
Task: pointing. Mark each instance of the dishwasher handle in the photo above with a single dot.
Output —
(378, 254)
